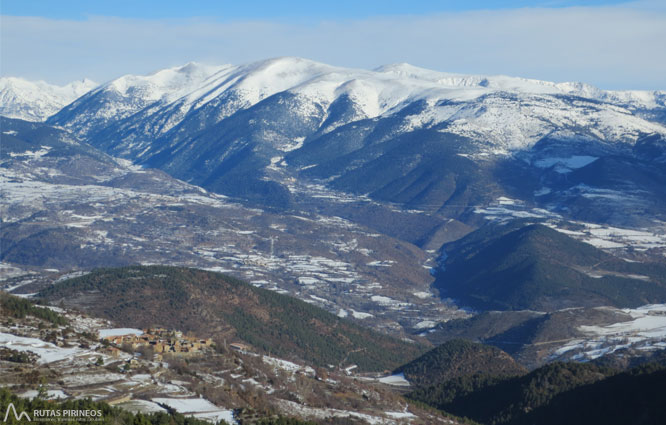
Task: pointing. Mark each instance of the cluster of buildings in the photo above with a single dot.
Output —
(162, 341)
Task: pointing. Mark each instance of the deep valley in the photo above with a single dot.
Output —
(376, 245)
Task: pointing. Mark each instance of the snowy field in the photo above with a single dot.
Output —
(606, 237)
(646, 331)
(198, 407)
(47, 352)
(103, 333)
(397, 380)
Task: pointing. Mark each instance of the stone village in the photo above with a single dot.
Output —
(161, 341)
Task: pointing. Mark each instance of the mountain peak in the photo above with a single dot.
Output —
(294, 70)
(168, 84)
(37, 100)
(406, 70)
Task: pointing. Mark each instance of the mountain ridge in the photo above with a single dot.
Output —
(377, 92)
(579, 393)
(518, 267)
(248, 130)
(38, 100)
(458, 358)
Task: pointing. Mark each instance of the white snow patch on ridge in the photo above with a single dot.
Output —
(649, 322)
(565, 165)
(610, 237)
(647, 331)
(361, 315)
(424, 324)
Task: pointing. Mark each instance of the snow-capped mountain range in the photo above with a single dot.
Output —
(341, 186)
(421, 138)
(512, 112)
(37, 100)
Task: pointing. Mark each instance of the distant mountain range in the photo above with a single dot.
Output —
(432, 141)
(38, 100)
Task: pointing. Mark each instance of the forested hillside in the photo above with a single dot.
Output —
(227, 309)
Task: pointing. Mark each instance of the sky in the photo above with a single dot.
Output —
(610, 44)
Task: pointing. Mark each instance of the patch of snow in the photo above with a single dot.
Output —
(199, 408)
(649, 322)
(360, 315)
(47, 352)
(320, 299)
(425, 324)
(400, 415)
(543, 191)
(82, 379)
(217, 416)
(382, 300)
(50, 394)
(304, 280)
(397, 380)
(103, 333)
(142, 406)
(187, 405)
(566, 164)
(647, 331)
(386, 263)
(602, 243)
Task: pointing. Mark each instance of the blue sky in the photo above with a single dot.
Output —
(264, 9)
(610, 44)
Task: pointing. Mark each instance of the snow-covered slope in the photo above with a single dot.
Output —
(37, 100)
(512, 113)
(238, 130)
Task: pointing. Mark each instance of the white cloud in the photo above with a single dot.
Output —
(611, 47)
